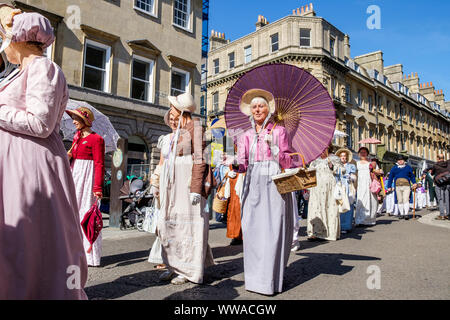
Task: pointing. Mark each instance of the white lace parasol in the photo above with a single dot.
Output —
(101, 125)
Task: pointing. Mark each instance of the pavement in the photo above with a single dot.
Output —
(395, 259)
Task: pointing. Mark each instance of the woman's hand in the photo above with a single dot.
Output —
(69, 154)
(98, 195)
(195, 198)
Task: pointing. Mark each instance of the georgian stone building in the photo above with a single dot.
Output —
(371, 100)
(125, 57)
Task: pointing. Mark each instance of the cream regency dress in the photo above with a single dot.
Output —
(323, 216)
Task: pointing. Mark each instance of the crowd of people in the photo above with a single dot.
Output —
(40, 236)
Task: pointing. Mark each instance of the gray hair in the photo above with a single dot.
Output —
(259, 100)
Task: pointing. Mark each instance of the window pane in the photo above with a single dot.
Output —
(146, 5)
(248, 54)
(305, 37)
(180, 13)
(140, 70)
(95, 57)
(139, 90)
(178, 83)
(231, 58)
(93, 78)
(274, 39)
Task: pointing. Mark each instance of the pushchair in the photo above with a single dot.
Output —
(136, 196)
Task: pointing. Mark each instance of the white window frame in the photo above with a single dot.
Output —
(333, 52)
(153, 13)
(348, 93)
(245, 54)
(229, 60)
(149, 82)
(216, 67)
(106, 85)
(215, 106)
(272, 43)
(188, 78)
(188, 15)
(300, 38)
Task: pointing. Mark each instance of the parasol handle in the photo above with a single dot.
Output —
(301, 156)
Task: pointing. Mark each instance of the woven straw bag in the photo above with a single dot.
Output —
(301, 180)
(220, 203)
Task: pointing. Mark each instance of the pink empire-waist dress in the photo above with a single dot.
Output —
(267, 216)
(41, 249)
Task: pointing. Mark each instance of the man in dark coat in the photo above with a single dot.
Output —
(439, 169)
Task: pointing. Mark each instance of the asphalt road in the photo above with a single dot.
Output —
(395, 259)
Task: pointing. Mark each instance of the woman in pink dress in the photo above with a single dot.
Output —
(87, 157)
(41, 250)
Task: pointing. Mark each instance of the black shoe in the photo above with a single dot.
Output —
(401, 218)
(236, 242)
(406, 218)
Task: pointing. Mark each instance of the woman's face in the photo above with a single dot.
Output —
(174, 117)
(363, 154)
(260, 112)
(78, 122)
(343, 157)
(324, 154)
(11, 52)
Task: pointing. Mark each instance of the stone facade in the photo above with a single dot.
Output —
(371, 100)
(128, 29)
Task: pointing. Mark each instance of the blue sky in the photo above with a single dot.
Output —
(415, 33)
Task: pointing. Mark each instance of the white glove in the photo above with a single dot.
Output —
(195, 198)
(154, 191)
(232, 174)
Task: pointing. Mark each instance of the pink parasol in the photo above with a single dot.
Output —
(369, 141)
(303, 106)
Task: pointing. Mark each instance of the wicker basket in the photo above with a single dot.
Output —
(220, 203)
(302, 179)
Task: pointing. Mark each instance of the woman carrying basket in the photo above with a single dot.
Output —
(267, 218)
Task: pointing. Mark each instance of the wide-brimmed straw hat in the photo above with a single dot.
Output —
(183, 103)
(84, 113)
(246, 100)
(348, 152)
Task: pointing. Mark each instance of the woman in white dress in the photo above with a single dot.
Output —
(323, 212)
(183, 225)
(366, 203)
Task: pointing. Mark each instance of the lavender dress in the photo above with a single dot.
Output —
(41, 250)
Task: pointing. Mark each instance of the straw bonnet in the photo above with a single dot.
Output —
(348, 152)
(246, 100)
(84, 113)
(18, 26)
(183, 103)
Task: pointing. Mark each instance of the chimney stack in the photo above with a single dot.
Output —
(347, 46)
(262, 21)
(217, 40)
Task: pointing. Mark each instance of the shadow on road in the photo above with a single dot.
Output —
(224, 290)
(226, 251)
(315, 264)
(126, 258)
(124, 285)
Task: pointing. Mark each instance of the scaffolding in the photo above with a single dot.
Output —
(205, 47)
